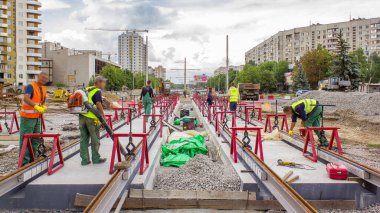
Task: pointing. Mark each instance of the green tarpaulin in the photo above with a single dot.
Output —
(177, 152)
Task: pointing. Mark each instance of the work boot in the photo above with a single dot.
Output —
(101, 160)
(85, 163)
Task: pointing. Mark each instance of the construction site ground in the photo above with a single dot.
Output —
(358, 132)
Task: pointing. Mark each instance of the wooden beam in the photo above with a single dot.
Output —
(165, 199)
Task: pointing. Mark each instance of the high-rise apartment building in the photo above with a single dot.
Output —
(28, 40)
(160, 72)
(291, 45)
(132, 52)
(7, 42)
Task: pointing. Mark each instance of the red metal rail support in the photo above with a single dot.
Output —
(268, 124)
(258, 145)
(56, 147)
(250, 108)
(161, 117)
(144, 159)
(136, 106)
(116, 115)
(222, 114)
(13, 121)
(213, 109)
(109, 122)
(310, 139)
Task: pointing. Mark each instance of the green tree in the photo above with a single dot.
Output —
(280, 69)
(343, 65)
(115, 76)
(316, 64)
(300, 81)
(268, 82)
(373, 74)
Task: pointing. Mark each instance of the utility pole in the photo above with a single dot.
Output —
(184, 75)
(146, 58)
(184, 72)
(227, 64)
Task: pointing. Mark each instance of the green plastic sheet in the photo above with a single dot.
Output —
(177, 152)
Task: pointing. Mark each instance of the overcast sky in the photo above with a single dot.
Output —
(195, 29)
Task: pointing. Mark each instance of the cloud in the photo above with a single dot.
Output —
(54, 5)
(70, 38)
(169, 53)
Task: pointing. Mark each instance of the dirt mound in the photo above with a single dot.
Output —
(365, 104)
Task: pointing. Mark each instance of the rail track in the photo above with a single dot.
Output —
(282, 191)
(32, 171)
(368, 174)
(111, 191)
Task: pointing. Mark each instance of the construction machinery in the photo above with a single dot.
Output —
(334, 83)
(249, 91)
(60, 94)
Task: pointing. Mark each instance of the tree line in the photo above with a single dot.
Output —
(119, 78)
(315, 65)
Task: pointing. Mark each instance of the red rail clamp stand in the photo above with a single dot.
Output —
(337, 171)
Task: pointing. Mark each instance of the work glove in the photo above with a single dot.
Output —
(39, 108)
(302, 124)
(97, 122)
(44, 107)
(290, 133)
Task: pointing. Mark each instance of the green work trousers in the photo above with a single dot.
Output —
(314, 120)
(29, 126)
(147, 102)
(88, 130)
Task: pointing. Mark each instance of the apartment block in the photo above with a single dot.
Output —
(160, 72)
(132, 52)
(28, 40)
(7, 42)
(291, 45)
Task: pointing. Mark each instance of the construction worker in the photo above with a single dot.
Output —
(31, 112)
(233, 97)
(209, 97)
(146, 97)
(89, 124)
(309, 111)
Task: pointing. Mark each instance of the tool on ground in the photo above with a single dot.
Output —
(337, 171)
(184, 112)
(188, 123)
(294, 165)
(78, 104)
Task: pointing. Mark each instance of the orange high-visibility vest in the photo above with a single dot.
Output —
(28, 111)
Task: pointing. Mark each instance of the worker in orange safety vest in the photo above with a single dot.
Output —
(32, 108)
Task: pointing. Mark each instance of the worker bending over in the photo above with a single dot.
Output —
(89, 124)
(233, 97)
(309, 111)
(146, 97)
(31, 112)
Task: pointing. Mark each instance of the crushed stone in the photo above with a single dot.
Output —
(199, 173)
(371, 209)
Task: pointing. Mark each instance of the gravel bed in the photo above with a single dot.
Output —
(199, 173)
(371, 209)
(364, 155)
(8, 162)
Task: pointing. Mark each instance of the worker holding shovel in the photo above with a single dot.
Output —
(309, 111)
(31, 112)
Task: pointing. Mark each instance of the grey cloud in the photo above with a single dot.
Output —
(169, 53)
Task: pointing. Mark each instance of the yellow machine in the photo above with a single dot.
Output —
(61, 95)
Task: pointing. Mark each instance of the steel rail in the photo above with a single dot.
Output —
(38, 167)
(282, 191)
(110, 192)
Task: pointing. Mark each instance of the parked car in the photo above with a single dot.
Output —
(300, 92)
